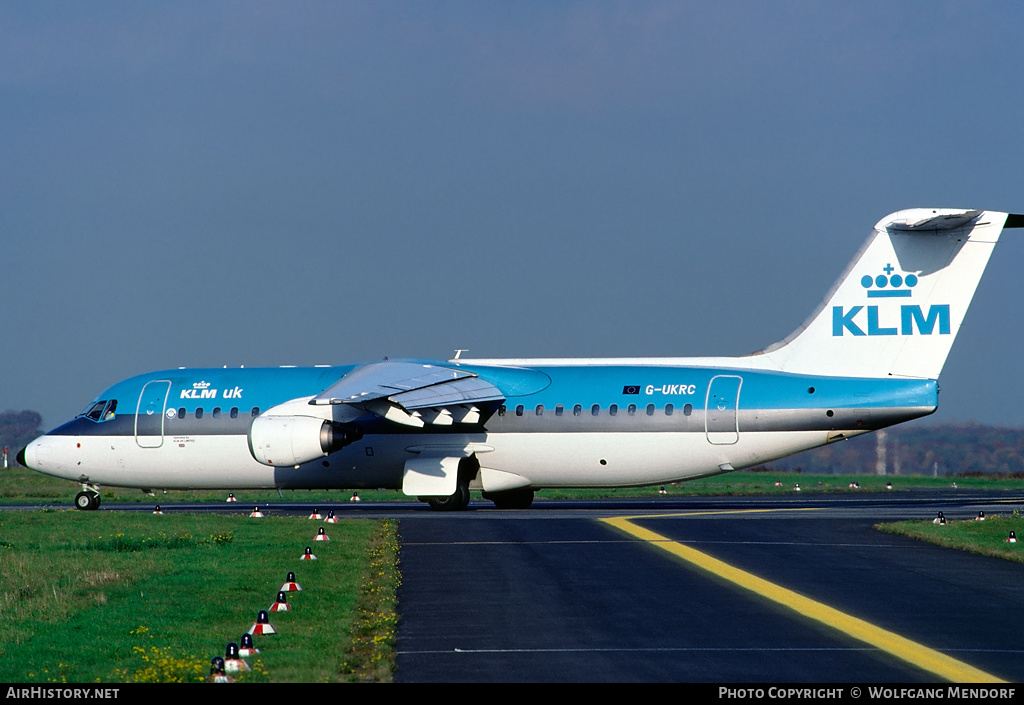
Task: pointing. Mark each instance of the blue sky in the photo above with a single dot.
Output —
(268, 183)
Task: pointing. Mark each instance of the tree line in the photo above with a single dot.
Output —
(925, 449)
(17, 429)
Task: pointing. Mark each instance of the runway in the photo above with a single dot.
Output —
(545, 595)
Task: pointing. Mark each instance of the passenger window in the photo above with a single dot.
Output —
(559, 409)
(199, 412)
(540, 410)
(631, 409)
(595, 410)
(669, 409)
(216, 412)
(613, 409)
(577, 410)
(181, 413)
(255, 411)
(519, 410)
(234, 412)
(650, 409)
(688, 409)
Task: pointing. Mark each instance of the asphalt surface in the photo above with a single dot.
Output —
(547, 596)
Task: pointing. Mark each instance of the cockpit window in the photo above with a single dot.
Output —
(95, 411)
(101, 411)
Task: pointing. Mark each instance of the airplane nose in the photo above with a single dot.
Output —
(20, 457)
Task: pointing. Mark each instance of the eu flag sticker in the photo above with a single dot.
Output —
(631, 389)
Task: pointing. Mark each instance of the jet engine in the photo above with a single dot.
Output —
(283, 441)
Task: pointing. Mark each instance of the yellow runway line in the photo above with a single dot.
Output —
(900, 647)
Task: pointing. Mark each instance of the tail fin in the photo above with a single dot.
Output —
(897, 308)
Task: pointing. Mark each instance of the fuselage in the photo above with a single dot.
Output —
(598, 424)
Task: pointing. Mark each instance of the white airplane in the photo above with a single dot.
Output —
(867, 358)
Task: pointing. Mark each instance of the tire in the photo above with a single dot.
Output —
(458, 501)
(87, 501)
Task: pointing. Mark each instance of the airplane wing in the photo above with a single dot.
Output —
(413, 393)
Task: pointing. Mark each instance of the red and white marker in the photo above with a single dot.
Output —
(315, 515)
(282, 603)
(355, 497)
(308, 555)
(290, 585)
(331, 519)
(262, 625)
(322, 535)
(256, 513)
(1012, 538)
(217, 674)
(247, 648)
(233, 662)
(157, 510)
(231, 498)
(980, 517)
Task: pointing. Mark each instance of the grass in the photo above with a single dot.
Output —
(746, 482)
(989, 537)
(102, 597)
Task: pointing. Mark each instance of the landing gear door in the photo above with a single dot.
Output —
(150, 414)
(723, 400)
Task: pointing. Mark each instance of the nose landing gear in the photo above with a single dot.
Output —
(89, 498)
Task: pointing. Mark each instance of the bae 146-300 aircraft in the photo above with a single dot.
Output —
(867, 358)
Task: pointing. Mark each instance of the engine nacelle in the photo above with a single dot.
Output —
(283, 441)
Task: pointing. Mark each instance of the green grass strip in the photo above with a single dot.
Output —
(125, 597)
(988, 537)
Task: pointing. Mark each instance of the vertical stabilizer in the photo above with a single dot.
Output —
(898, 307)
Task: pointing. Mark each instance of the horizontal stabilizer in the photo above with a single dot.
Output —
(934, 220)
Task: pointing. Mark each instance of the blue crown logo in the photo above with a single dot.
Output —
(889, 285)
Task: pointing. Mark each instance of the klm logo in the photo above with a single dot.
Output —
(867, 320)
(201, 390)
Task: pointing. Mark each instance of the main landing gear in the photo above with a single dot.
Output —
(457, 501)
(520, 498)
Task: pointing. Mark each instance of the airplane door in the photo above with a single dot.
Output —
(720, 419)
(149, 414)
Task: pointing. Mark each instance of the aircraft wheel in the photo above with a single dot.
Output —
(458, 501)
(87, 501)
(511, 499)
